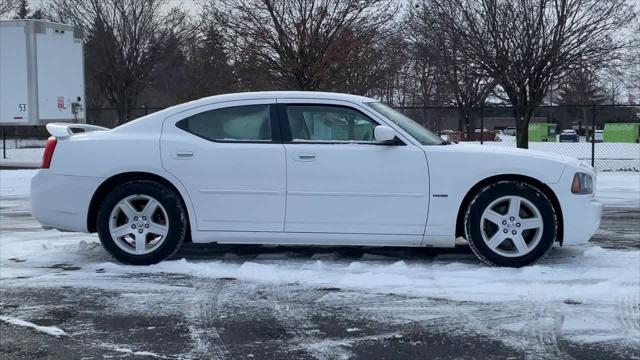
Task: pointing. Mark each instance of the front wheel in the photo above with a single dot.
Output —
(511, 224)
(142, 222)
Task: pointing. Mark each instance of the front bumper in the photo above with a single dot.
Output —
(582, 223)
(62, 201)
(580, 213)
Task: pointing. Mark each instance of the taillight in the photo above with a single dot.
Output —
(48, 152)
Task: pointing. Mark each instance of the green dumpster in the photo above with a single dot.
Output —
(544, 132)
(622, 132)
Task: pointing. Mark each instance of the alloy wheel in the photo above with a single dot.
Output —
(138, 224)
(511, 226)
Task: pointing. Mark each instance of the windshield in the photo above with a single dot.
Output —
(424, 136)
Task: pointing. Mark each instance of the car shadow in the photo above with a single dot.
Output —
(242, 253)
(232, 252)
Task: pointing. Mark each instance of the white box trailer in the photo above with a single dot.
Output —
(41, 73)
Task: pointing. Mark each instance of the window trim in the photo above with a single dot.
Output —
(286, 129)
(274, 123)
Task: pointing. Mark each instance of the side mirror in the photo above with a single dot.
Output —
(384, 134)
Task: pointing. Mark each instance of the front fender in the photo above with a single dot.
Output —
(454, 170)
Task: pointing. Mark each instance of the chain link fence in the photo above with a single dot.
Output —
(606, 136)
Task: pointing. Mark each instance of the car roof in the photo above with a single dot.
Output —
(256, 95)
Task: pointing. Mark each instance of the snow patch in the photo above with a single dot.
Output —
(49, 330)
(619, 189)
(16, 182)
(125, 350)
(590, 275)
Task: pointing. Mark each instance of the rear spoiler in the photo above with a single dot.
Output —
(63, 130)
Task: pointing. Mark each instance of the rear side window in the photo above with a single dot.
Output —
(237, 123)
(328, 123)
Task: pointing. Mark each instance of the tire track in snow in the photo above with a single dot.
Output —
(335, 349)
(461, 318)
(545, 327)
(202, 322)
(292, 305)
(537, 338)
(628, 307)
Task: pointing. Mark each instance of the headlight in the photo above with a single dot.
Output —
(582, 184)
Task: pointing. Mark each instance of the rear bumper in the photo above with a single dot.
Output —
(62, 201)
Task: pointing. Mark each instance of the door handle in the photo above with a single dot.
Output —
(306, 156)
(184, 154)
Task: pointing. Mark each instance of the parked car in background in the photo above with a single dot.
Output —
(510, 131)
(483, 134)
(451, 135)
(598, 136)
(569, 135)
(305, 168)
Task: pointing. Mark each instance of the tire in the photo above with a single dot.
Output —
(129, 213)
(510, 224)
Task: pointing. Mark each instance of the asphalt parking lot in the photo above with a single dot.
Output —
(110, 311)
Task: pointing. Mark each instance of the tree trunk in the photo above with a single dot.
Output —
(121, 114)
(466, 122)
(522, 127)
(424, 120)
(461, 124)
(588, 133)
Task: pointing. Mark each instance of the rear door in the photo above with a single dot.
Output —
(339, 180)
(230, 158)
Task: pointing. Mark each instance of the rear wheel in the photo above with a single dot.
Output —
(510, 223)
(142, 222)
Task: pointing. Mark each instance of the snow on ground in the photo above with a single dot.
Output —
(24, 143)
(619, 189)
(49, 330)
(586, 276)
(594, 291)
(608, 156)
(21, 158)
(15, 182)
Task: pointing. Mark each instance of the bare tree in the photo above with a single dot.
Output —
(526, 45)
(632, 80)
(7, 7)
(581, 86)
(467, 86)
(126, 41)
(370, 67)
(303, 44)
(207, 68)
(23, 11)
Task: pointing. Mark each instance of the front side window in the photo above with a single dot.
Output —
(328, 123)
(237, 123)
(422, 135)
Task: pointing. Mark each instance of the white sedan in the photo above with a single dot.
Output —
(305, 168)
